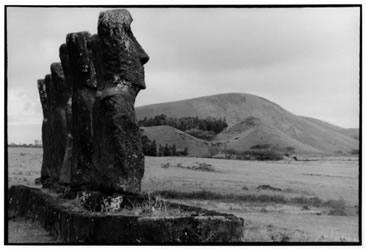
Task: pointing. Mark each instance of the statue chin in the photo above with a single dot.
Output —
(128, 90)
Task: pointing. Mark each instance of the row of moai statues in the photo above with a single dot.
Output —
(91, 139)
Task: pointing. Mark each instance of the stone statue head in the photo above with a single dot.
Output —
(66, 64)
(81, 63)
(50, 92)
(42, 95)
(58, 80)
(123, 57)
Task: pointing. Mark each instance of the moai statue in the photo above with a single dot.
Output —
(59, 125)
(49, 147)
(65, 173)
(118, 155)
(83, 79)
(54, 94)
(45, 140)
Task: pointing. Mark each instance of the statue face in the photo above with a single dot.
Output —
(137, 54)
(123, 57)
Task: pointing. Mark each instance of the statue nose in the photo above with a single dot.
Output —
(144, 58)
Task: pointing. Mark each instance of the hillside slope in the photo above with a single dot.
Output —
(352, 132)
(242, 137)
(254, 120)
(168, 135)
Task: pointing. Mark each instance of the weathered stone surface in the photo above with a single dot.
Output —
(54, 94)
(65, 173)
(118, 157)
(95, 46)
(83, 78)
(82, 70)
(118, 150)
(197, 225)
(66, 64)
(48, 132)
(43, 97)
(59, 125)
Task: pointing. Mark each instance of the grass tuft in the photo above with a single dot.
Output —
(200, 166)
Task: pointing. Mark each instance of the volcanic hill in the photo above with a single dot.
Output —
(252, 121)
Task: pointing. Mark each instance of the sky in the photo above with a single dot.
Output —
(304, 59)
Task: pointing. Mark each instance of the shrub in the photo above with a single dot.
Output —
(168, 150)
(201, 167)
(337, 212)
(258, 155)
(204, 167)
(251, 121)
(230, 152)
(261, 155)
(312, 201)
(149, 147)
(354, 152)
(265, 155)
(166, 165)
(290, 150)
(338, 207)
(185, 151)
(305, 207)
(268, 187)
(281, 237)
(261, 146)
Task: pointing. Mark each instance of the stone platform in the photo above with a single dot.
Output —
(190, 225)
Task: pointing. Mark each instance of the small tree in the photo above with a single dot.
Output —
(174, 150)
(161, 150)
(166, 150)
(185, 151)
(154, 148)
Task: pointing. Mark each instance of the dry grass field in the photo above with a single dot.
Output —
(302, 201)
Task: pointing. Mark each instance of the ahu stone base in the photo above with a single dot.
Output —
(190, 225)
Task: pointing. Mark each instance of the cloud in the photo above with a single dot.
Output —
(304, 59)
(23, 109)
(220, 39)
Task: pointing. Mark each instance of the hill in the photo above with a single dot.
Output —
(255, 121)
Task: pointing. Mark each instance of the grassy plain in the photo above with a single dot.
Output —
(303, 201)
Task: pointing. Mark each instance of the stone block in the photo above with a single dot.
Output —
(192, 225)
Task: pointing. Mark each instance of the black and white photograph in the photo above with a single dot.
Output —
(183, 125)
